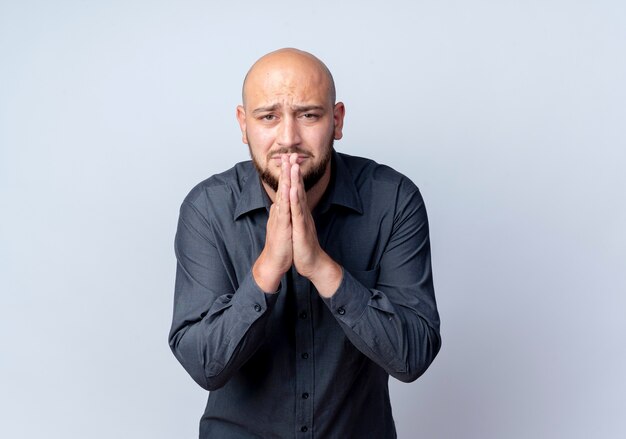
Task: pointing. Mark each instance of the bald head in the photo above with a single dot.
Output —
(285, 64)
(289, 107)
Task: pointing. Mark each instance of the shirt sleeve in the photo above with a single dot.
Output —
(390, 313)
(215, 328)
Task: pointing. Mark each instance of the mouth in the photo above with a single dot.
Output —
(276, 159)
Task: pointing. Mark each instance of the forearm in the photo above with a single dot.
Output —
(395, 337)
(213, 348)
(405, 357)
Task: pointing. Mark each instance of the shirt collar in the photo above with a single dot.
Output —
(253, 195)
(341, 191)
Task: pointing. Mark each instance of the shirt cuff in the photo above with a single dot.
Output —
(254, 301)
(349, 301)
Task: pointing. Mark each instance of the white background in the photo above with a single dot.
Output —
(509, 115)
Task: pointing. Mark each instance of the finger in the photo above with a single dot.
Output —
(294, 198)
(293, 165)
(294, 175)
(286, 178)
(283, 179)
(284, 205)
(299, 183)
(284, 167)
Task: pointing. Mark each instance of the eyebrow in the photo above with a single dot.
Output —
(297, 108)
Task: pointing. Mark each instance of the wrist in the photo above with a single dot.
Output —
(267, 279)
(327, 276)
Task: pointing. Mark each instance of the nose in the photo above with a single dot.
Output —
(288, 134)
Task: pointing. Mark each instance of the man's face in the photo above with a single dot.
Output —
(288, 108)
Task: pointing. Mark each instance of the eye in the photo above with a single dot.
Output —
(268, 117)
(311, 116)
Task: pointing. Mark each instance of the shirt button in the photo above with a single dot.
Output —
(305, 395)
(305, 355)
(303, 429)
(303, 315)
(341, 310)
(257, 307)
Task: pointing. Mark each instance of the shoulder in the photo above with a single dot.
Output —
(367, 174)
(220, 191)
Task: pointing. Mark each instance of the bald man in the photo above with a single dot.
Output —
(304, 277)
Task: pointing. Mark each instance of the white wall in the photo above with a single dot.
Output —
(509, 115)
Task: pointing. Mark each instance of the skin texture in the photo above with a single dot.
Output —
(289, 121)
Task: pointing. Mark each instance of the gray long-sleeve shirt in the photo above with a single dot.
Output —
(294, 364)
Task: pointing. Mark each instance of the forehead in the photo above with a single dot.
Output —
(287, 82)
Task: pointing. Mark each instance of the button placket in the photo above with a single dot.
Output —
(304, 357)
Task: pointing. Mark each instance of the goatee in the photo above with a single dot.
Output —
(310, 179)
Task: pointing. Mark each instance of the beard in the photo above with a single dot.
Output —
(310, 178)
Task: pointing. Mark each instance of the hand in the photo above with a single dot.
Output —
(277, 255)
(310, 260)
(306, 248)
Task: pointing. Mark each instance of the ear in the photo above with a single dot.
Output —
(241, 118)
(338, 113)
